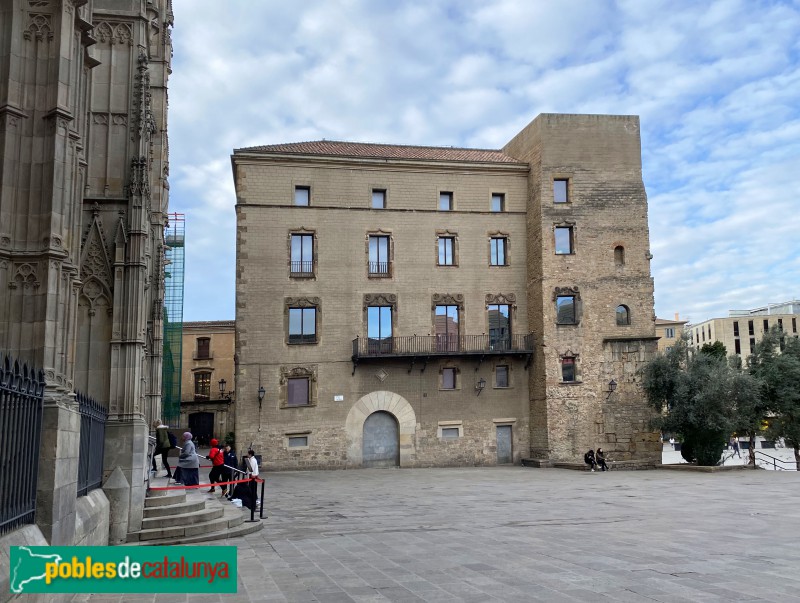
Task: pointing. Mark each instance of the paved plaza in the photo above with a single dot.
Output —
(520, 534)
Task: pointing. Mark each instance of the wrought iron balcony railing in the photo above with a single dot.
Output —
(441, 345)
(379, 268)
(301, 268)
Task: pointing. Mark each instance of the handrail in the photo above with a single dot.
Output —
(223, 464)
(775, 460)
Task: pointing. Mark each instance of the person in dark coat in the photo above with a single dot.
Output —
(588, 458)
(163, 446)
(229, 462)
(600, 459)
(189, 462)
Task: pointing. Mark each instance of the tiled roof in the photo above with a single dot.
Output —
(383, 151)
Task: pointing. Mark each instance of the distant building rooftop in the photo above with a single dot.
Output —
(789, 307)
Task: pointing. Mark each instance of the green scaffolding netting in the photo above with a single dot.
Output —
(174, 238)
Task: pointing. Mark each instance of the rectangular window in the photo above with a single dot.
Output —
(302, 195)
(750, 329)
(446, 328)
(203, 347)
(560, 190)
(379, 329)
(445, 201)
(302, 260)
(736, 328)
(567, 369)
(752, 344)
(202, 384)
(302, 325)
(448, 378)
(794, 325)
(498, 251)
(501, 376)
(446, 249)
(766, 325)
(669, 332)
(298, 441)
(379, 255)
(449, 432)
(704, 332)
(737, 346)
(563, 236)
(498, 202)
(565, 309)
(378, 198)
(298, 391)
(499, 317)
(780, 324)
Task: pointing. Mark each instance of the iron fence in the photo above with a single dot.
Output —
(432, 345)
(21, 395)
(93, 435)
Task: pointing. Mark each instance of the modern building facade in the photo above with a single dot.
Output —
(83, 200)
(742, 329)
(207, 390)
(669, 331)
(426, 306)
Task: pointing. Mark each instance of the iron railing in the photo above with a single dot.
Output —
(765, 460)
(302, 267)
(93, 435)
(433, 345)
(379, 268)
(21, 395)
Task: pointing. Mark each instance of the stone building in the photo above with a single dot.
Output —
(669, 331)
(83, 202)
(428, 306)
(742, 329)
(207, 394)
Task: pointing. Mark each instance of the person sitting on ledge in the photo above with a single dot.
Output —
(588, 458)
(600, 459)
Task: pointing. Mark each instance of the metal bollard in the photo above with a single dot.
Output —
(261, 505)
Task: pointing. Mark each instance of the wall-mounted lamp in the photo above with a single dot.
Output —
(261, 393)
(223, 395)
(480, 385)
(612, 386)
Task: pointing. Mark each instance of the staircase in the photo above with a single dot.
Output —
(189, 516)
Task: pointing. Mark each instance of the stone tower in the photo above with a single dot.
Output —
(83, 201)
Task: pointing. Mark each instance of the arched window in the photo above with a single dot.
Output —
(619, 255)
(623, 316)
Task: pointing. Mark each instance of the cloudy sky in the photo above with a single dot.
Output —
(716, 84)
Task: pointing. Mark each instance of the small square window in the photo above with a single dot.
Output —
(448, 378)
(567, 370)
(560, 190)
(501, 376)
(298, 441)
(565, 309)
(298, 391)
(669, 333)
(563, 235)
(498, 202)
(302, 195)
(450, 432)
(445, 201)
(378, 198)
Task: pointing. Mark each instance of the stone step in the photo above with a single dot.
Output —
(230, 534)
(184, 507)
(164, 498)
(230, 518)
(183, 519)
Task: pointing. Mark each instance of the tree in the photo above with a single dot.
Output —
(716, 349)
(776, 363)
(698, 395)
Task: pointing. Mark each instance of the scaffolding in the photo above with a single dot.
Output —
(174, 238)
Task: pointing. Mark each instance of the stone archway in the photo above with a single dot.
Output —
(392, 403)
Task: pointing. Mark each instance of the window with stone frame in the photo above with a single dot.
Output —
(379, 317)
(501, 372)
(498, 251)
(298, 386)
(446, 251)
(203, 348)
(561, 190)
(449, 378)
(380, 252)
(623, 315)
(564, 239)
(301, 254)
(378, 198)
(302, 195)
(202, 385)
(445, 201)
(567, 302)
(302, 320)
(498, 203)
(569, 368)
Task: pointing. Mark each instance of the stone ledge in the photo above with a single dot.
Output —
(612, 465)
(702, 469)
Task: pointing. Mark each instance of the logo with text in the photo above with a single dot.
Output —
(104, 569)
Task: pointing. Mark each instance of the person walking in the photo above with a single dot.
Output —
(188, 462)
(600, 459)
(216, 456)
(163, 446)
(735, 444)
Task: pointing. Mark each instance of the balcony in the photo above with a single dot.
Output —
(379, 268)
(301, 268)
(424, 347)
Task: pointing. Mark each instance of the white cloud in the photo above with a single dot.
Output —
(717, 86)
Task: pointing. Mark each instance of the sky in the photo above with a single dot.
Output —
(716, 86)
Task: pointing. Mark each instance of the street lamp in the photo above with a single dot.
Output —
(261, 393)
(480, 385)
(222, 394)
(612, 386)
